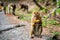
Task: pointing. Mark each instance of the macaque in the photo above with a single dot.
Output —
(36, 25)
(12, 7)
(24, 6)
(1, 6)
(4, 9)
(9, 7)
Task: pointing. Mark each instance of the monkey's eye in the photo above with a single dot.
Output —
(37, 14)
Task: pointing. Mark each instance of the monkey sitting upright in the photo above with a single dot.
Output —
(12, 7)
(36, 25)
(24, 6)
(1, 6)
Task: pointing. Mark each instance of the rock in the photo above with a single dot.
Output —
(3, 19)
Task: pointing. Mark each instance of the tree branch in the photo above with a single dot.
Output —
(38, 4)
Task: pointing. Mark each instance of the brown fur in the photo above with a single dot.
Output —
(36, 24)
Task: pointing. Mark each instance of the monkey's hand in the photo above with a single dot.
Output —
(11, 7)
(36, 20)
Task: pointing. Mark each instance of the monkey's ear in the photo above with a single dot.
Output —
(33, 12)
(38, 12)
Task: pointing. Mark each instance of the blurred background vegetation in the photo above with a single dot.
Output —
(51, 4)
(45, 18)
(49, 10)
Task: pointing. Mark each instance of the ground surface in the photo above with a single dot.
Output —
(18, 33)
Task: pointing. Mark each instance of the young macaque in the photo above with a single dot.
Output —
(1, 6)
(4, 9)
(24, 6)
(12, 7)
(36, 25)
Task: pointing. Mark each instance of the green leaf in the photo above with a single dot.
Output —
(56, 33)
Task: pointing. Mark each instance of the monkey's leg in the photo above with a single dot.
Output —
(9, 10)
(40, 31)
(13, 12)
(33, 32)
(4, 11)
(24, 9)
(27, 9)
(37, 30)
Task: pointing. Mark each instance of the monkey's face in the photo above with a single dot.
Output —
(36, 17)
(36, 14)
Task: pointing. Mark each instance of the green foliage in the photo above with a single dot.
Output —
(44, 23)
(9, 0)
(49, 22)
(53, 13)
(24, 17)
(50, 39)
(34, 9)
(52, 22)
(58, 3)
(21, 16)
(39, 0)
(44, 11)
(58, 10)
(45, 17)
(7, 8)
(56, 33)
(58, 25)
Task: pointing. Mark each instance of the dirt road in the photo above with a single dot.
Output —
(18, 33)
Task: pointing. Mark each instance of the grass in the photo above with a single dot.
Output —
(49, 22)
(54, 33)
(53, 22)
(58, 10)
(24, 17)
(34, 9)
